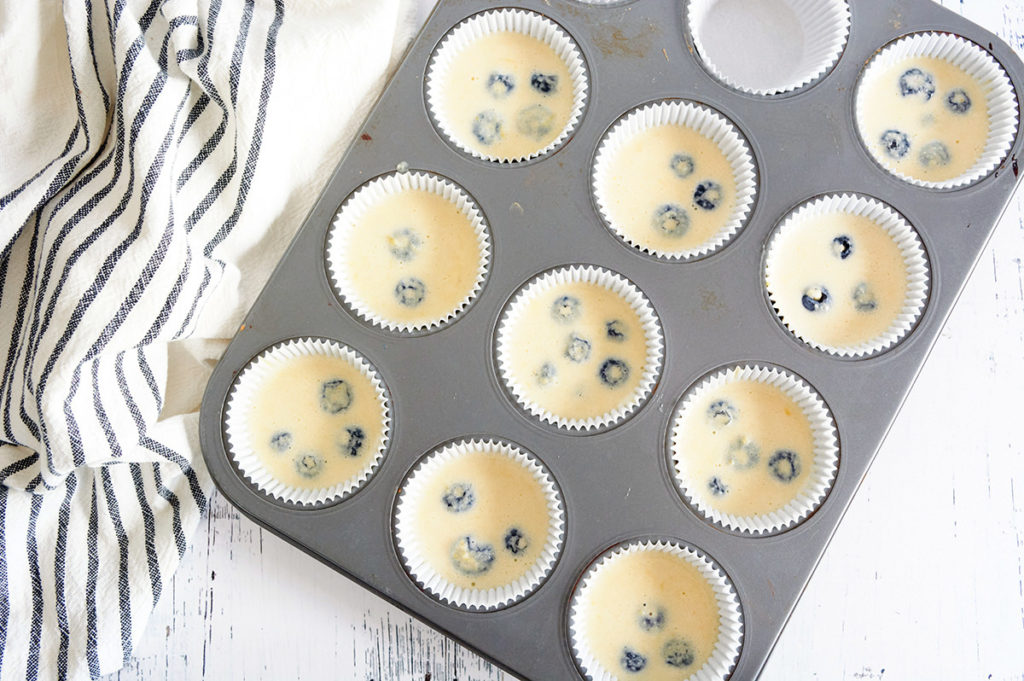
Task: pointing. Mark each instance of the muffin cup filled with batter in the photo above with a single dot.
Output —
(769, 47)
(674, 179)
(753, 449)
(308, 421)
(936, 110)
(579, 347)
(507, 85)
(479, 524)
(655, 609)
(846, 274)
(408, 252)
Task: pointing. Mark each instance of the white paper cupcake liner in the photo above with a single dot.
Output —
(608, 280)
(826, 449)
(825, 26)
(906, 239)
(708, 123)
(341, 263)
(730, 627)
(411, 551)
(1003, 110)
(497, 21)
(244, 392)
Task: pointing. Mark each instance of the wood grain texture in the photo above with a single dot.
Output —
(923, 580)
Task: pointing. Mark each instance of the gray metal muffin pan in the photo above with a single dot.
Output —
(616, 483)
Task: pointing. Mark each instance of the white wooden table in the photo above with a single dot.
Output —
(924, 579)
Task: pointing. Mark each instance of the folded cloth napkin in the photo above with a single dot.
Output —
(156, 157)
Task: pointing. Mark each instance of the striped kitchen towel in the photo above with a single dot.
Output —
(156, 156)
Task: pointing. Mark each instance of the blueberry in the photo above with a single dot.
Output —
(351, 441)
(678, 653)
(632, 661)
(459, 497)
(816, 299)
(864, 298)
(708, 195)
(565, 308)
(784, 465)
(934, 154)
(410, 291)
(487, 127)
(842, 247)
(917, 82)
(577, 349)
(281, 441)
(743, 454)
(404, 243)
(544, 83)
(958, 101)
(722, 412)
(651, 619)
(500, 85)
(671, 219)
(895, 143)
(616, 330)
(536, 121)
(546, 374)
(471, 557)
(717, 487)
(335, 396)
(613, 372)
(309, 465)
(682, 165)
(516, 541)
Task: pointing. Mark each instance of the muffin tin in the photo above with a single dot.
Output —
(616, 482)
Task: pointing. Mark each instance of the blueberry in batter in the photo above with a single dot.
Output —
(633, 661)
(816, 299)
(708, 195)
(544, 83)
(915, 82)
(281, 441)
(784, 465)
(958, 101)
(934, 154)
(842, 247)
(410, 291)
(613, 372)
(309, 465)
(459, 497)
(536, 121)
(335, 396)
(565, 308)
(895, 143)
(578, 349)
(683, 165)
(678, 653)
(471, 557)
(487, 127)
(515, 541)
(351, 441)
(500, 85)
(671, 219)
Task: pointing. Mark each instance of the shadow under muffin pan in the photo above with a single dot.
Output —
(616, 483)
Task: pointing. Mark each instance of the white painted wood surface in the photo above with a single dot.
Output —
(924, 579)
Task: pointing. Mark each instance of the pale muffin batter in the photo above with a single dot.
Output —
(669, 189)
(746, 447)
(412, 258)
(837, 279)
(316, 422)
(649, 615)
(507, 95)
(925, 118)
(482, 519)
(578, 351)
